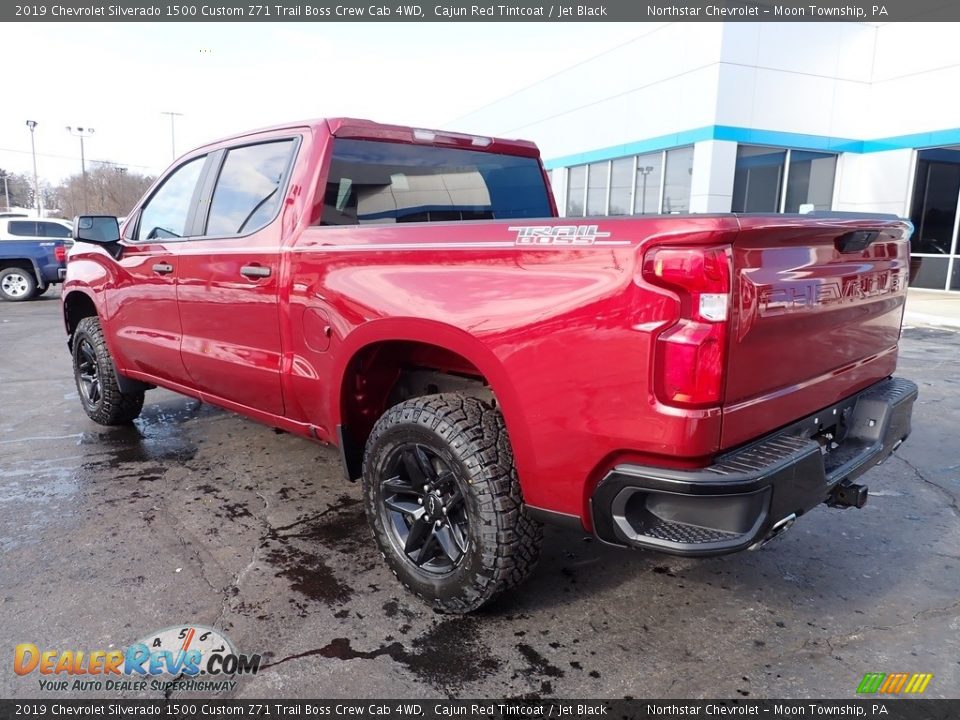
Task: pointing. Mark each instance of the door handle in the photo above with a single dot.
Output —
(255, 271)
(163, 268)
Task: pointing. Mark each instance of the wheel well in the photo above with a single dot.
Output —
(21, 263)
(76, 306)
(386, 373)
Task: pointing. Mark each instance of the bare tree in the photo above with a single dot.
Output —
(20, 188)
(110, 190)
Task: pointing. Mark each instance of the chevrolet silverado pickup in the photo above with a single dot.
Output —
(688, 384)
(32, 256)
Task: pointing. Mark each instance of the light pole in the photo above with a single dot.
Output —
(82, 132)
(32, 124)
(173, 138)
(643, 198)
(6, 190)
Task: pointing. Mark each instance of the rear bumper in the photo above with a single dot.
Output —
(746, 493)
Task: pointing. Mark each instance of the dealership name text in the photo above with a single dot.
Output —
(818, 11)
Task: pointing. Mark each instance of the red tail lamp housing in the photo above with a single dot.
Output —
(60, 252)
(690, 355)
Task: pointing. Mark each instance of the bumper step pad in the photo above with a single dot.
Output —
(678, 532)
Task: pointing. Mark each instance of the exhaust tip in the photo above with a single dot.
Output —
(778, 529)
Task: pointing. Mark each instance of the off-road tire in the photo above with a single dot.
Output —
(470, 438)
(17, 284)
(111, 407)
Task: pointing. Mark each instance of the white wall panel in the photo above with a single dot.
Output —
(656, 110)
(912, 48)
(654, 68)
(916, 103)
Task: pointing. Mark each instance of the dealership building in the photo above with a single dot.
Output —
(757, 117)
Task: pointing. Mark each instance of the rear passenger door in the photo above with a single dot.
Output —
(227, 287)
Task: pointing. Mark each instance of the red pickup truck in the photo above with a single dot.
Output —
(689, 384)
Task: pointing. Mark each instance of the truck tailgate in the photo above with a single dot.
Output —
(817, 306)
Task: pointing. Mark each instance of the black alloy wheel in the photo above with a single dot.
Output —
(96, 376)
(88, 373)
(444, 503)
(424, 509)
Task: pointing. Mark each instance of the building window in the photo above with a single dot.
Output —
(773, 180)
(810, 180)
(633, 185)
(597, 184)
(646, 201)
(576, 190)
(676, 186)
(757, 179)
(621, 186)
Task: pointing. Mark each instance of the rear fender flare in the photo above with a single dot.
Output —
(449, 338)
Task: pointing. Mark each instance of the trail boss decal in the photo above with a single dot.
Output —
(562, 235)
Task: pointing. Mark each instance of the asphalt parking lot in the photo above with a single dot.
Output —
(195, 515)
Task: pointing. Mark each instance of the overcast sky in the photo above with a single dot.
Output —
(119, 77)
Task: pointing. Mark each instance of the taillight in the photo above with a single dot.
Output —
(689, 355)
(60, 252)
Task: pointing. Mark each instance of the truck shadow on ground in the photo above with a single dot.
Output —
(309, 535)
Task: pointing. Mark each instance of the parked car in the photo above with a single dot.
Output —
(689, 384)
(32, 256)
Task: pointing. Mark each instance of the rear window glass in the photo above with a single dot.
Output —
(381, 182)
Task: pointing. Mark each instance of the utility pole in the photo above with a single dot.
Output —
(173, 137)
(82, 132)
(32, 124)
(6, 190)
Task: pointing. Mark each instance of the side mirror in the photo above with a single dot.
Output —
(99, 229)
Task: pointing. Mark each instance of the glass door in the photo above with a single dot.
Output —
(933, 262)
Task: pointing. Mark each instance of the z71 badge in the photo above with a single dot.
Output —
(562, 235)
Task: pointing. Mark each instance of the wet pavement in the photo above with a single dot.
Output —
(195, 515)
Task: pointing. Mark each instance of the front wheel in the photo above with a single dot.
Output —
(17, 284)
(444, 503)
(96, 378)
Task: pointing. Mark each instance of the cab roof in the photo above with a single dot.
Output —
(358, 128)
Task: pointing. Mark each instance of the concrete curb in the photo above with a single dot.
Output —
(915, 318)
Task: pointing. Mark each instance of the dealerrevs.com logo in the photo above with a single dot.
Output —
(189, 657)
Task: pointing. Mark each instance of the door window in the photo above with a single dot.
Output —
(248, 190)
(23, 228)
(165, 214)
(53, 230)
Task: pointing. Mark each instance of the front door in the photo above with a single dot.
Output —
(142, 299)
(228, 281)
